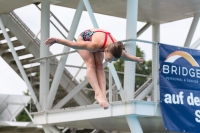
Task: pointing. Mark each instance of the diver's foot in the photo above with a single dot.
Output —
(102, 102)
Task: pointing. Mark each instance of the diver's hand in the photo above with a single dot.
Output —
(140, 60)
(50, 41)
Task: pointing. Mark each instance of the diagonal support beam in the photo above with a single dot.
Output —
(73, 92)
(117, 81)
(145, 92)
(21, 69)
(143, 29)
(53, 129)
(134, 124)
(70, 94)
(85, 82)
(111, 66)
(90, 12)
(192, 30)
(46, 130)
(80, 86)
(61, 65)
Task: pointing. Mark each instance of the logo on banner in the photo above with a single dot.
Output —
(180, 88)
(187, 73)
(178, 54)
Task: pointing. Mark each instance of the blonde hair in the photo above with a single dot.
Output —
(116, 49)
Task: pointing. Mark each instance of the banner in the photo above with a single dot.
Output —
(180, 88)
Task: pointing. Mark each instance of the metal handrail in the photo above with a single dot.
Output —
(142, 88)
(38, 59)
(25, 27)
(59, 23)
(138, 40)
(52, 57)
(37, 41)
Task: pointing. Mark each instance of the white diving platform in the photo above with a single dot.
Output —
(112, 119)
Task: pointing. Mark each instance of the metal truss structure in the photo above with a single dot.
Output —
(131, 114)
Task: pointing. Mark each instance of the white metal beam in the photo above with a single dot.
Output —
(45, 64)
(91, 14)
(21, 69)
(192, 30)
(46, 129)
(28, 114)
(53, 129)
(129, 68)
(145, 92)
(63, 59)
(116, 109)
(79, 87)
(110, 87)
(61, 103)
(73, 92)
(134, 124)
(111, 66)
(131, 30)
(155, 61)
(17, 124)
(143, 29)
(117, 81)
(44, 51)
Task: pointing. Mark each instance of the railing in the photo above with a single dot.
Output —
(36, 40)
(144, 83)
(142, 80)
(59, 23)
(23, 25)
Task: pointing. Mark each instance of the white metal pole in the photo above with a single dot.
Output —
(143, 29)
(44, 51)
(117, 81)
(129, 71)
(46, 129)
(72, 93)
(134, 124)
(28, 114)
(110, 86)
(21, 69)
(155, 61)
(91, 14)
(192, 30)
(156, 32)
(131, 30)
(63, 59)
(111, 66)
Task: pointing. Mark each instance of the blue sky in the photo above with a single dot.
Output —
(173, 33)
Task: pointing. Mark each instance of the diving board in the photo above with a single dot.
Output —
(112, 119)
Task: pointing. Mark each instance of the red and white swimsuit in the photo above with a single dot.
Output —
(87, 36)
